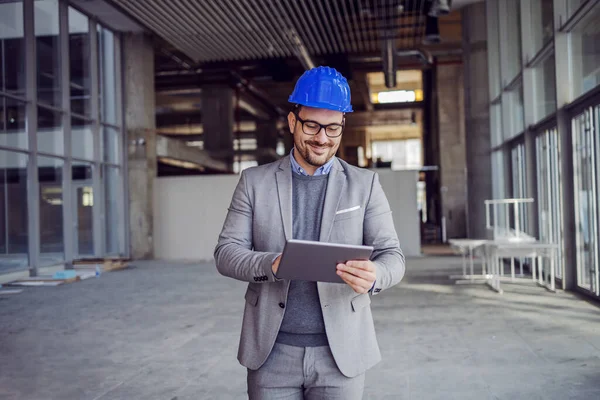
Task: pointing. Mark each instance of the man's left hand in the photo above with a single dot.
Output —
(360, 275)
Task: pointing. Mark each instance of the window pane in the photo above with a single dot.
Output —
(510, 40)
(403, 154)
(498, 188)
(496, 124)
(545, 88)
(585, 56)
(549, 192)
(48, 52)
(113, 183)
(512, 109)
(519, 188)
(542, 24)
(493, 50)
(573, 6)
(107, 75)
(12, 124)
(50, 133)
(82, 139)
(79, 47)
(14, 245)
(12, 48)
(111, 146)
(51, 210)
(83, 207)
(584, 168)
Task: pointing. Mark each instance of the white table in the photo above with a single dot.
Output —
(467, 247)
(498, 250)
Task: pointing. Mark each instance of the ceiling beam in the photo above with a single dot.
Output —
(362, 119)
(172, 149)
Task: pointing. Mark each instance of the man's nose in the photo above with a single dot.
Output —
(321, 136)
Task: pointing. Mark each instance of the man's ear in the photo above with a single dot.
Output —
(292, 122)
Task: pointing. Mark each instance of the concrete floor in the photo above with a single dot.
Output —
(170, 331)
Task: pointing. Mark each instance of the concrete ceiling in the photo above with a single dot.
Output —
(213, 30)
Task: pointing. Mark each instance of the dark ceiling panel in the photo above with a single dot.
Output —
(216, 30)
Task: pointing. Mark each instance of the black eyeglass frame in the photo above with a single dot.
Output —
(321, 126)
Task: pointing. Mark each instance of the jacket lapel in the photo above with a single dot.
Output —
(284, 190)
(335, 188)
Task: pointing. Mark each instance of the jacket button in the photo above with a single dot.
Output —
(281, 305)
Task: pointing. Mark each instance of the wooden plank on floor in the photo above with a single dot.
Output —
(10, 291)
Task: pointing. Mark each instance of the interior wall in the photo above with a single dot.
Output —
(400, 188)
(189, 213)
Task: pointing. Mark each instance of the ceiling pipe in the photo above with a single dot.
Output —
(390, 64)
(432, 31)
(257, 93)
(423, 55)
(300, 51)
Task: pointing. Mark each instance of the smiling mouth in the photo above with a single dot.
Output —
(317, 148)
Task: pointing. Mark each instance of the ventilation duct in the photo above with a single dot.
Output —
(389, 62)
(432, 31)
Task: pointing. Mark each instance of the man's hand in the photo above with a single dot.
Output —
(360, 275)
(275, 265)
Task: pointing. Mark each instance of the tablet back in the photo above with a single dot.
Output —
(316, 261)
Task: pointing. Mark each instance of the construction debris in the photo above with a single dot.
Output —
(83, 269)
(10, 291)
(41, 281)
(100, 264)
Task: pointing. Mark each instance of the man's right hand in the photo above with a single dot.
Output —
(275, 265)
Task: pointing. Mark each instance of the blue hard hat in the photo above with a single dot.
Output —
(322, 87)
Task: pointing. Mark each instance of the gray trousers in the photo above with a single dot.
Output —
(302, 373)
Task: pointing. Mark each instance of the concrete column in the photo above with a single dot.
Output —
(217, 122)
(141, 141)
(477, 118)
(266, 141)
(453, 179)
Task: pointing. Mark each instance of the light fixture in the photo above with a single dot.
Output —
(396, 96)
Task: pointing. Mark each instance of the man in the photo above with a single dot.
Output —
(309, 340)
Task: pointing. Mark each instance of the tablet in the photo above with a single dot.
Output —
(316, 261)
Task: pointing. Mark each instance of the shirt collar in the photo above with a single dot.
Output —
(322, 170)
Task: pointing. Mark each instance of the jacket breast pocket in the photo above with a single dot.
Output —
(348, 228)
(251, 297)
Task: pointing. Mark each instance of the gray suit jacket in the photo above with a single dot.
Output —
(257, 225)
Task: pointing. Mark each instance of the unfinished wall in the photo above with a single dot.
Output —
(189, 213)
(451, 117)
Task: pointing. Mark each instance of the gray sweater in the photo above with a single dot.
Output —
(303, 319)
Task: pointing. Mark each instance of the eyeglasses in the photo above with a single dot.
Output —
(312, 128)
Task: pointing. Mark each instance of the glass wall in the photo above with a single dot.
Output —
(14, 244)
(585, 54)
(510, 40)
(549, 192)
(542, 23)
(585, 148)
(547, 52)
(519, 187)
(70, 178)
(544, 88)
